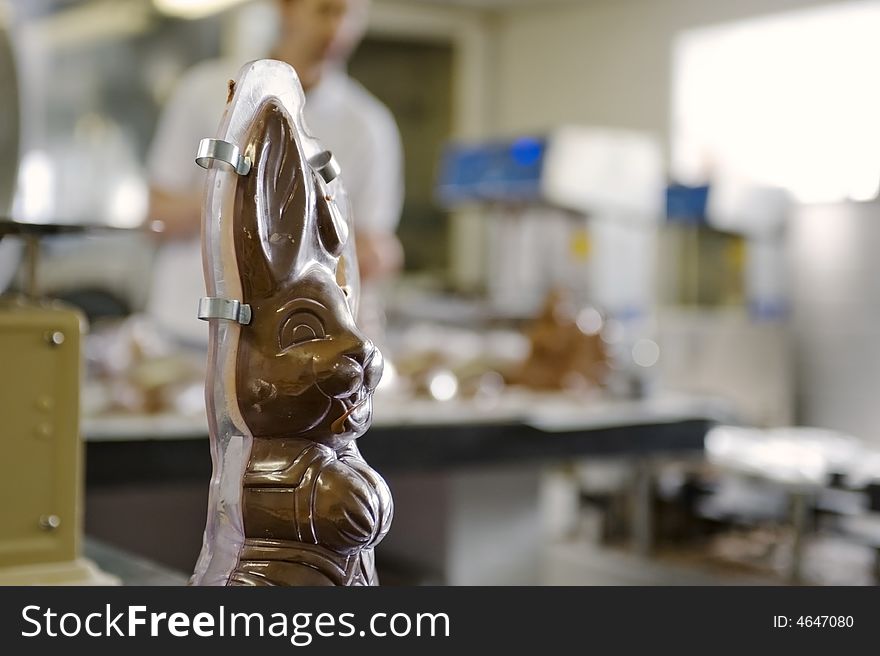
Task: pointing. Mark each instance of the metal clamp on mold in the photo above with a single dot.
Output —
(325, 165)
(211, 150)
(225, 309)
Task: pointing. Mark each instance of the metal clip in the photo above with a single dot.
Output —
(222, 151)
(223, 308)
(325, 165)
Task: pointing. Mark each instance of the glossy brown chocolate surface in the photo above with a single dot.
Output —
(312, 508)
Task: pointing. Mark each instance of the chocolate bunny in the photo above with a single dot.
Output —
(312, 510)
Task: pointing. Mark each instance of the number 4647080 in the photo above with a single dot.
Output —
(821, 621)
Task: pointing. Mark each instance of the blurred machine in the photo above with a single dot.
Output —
(700, 265)
(724, 330)
(579, 210)
(41, 466)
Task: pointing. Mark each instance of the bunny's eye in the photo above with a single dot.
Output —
(300, 327)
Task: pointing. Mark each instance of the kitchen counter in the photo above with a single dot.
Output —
(477, 468)
(422, 434)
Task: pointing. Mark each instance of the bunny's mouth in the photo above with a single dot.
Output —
(358, 409)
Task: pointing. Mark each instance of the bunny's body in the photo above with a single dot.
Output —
(321, 513)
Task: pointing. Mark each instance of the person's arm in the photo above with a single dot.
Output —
(379, 254)
(377, 200)
(176, 183)
(174, 215)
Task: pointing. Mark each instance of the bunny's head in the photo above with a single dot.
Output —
(303, 368)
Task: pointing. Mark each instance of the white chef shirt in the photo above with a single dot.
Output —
(349, 121)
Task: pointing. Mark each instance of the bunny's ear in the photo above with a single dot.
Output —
(332, 229)
(271, 205)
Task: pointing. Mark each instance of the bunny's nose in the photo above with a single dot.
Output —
(341, 378)
(373, 368)
(350, 372)
(371, 361)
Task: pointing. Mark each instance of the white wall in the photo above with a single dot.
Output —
(836, 319)
(602, 62)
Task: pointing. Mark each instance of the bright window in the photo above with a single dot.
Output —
(791, 100)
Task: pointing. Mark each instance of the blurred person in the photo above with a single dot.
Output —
(316, 37)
